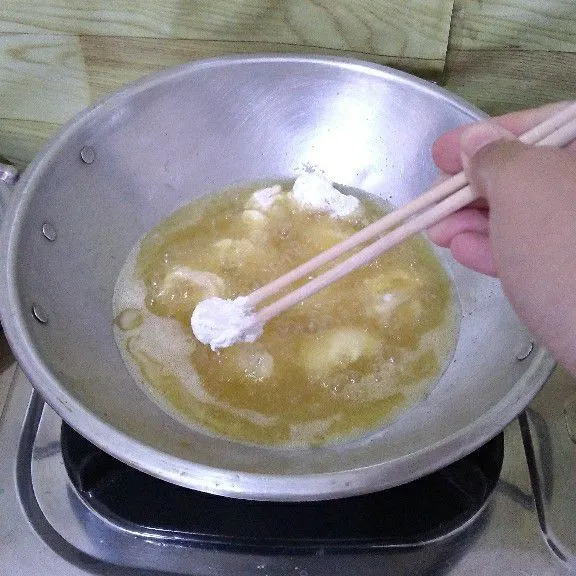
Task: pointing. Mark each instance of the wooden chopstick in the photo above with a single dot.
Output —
(547, 127)
(435, 194)
(558, 131)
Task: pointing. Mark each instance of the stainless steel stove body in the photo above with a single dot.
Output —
(526, 527)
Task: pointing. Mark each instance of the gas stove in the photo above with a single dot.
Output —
(66, 508)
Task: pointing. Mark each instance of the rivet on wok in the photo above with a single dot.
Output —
(87, 154)
(39, 314)
(525, 351)
(49, 231)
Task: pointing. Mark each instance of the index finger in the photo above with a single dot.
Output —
(446, 150)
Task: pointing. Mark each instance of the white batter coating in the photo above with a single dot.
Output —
(314, 192)
(220, 323)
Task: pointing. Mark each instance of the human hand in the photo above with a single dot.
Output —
(523, 228)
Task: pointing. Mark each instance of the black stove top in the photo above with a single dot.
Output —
(422, 512)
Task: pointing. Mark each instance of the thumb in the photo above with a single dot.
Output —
(477, 137)
(530, 189)
(514, 176)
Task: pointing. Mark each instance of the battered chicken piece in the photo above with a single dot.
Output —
(234, 253)
(180, 291)
(336, 349)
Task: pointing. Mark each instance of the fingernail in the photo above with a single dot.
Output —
(479, 135)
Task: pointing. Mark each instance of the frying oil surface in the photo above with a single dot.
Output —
(341, 363)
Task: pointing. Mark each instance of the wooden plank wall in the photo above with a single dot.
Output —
(510, 54)
(58, 56)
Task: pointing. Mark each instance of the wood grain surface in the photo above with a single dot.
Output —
(408, 28)
(111, 62)
(58, 56)
(499, 81)
(22, 140)
(514, 24)
(42, 77)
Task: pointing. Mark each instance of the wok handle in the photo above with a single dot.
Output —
(8, 176)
